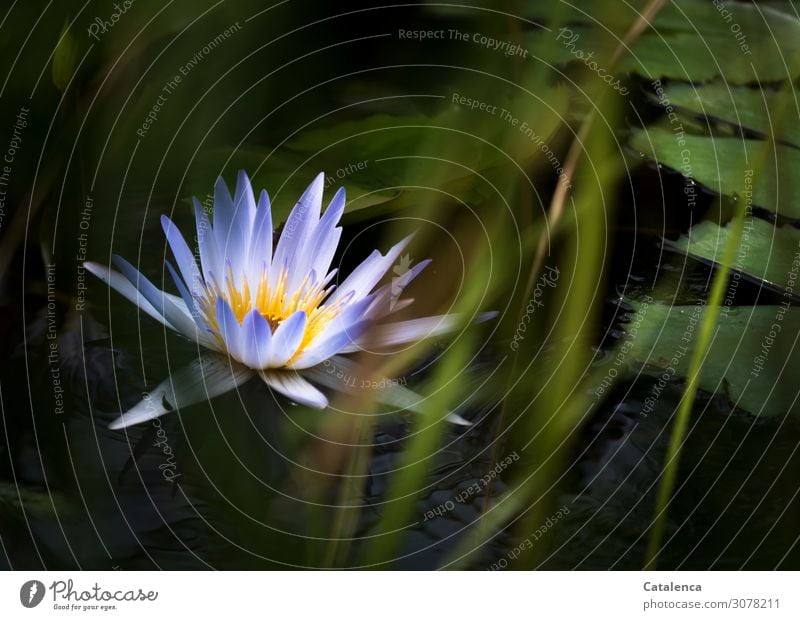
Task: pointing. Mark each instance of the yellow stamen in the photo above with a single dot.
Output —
(273, 303)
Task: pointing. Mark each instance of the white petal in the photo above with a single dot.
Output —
(176, 312)
(183, 256)
(403, 332)
(327, 349)
(296, 232)
(123, 286)
(223, 214)
(364, 277)
(231, 230)
(207, 242)
(292, 385)
(244, 211)
(457, 419)
(255, 340)
(326, 236)
(260, 252)
(339, 334)
(393, 394)
(244, 201)
(335, 209)
(228, 328)
(400, 305)
(194, 311)
(204, 378)
(287, 339)
(387, 298)
(323, 251)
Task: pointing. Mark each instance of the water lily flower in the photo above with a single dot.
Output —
(267, 311)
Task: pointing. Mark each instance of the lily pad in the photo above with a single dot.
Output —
(765, 253)
(694, 40)
(726, 165)
(751, 358)
(750, 108)
(387, 160)
(714, 18)
(675, 55)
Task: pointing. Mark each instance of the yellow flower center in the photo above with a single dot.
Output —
(273, 303)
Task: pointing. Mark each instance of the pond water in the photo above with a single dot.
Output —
(463, 136)
(228, 484)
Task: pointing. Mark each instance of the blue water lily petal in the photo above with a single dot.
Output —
(275, 310)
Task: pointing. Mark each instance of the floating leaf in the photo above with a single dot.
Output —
(766, 253)
(726, 165)
(689, 40)
(751, 358)
(676, 55)
(722, 19)
(750, 108)
(388, 160)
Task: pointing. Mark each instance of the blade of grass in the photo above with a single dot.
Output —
(559, 200)
(681, 424)
(346, 515)
(552, 416)
(447, 389)
(562, 193)
(415, 463)
(552, 438)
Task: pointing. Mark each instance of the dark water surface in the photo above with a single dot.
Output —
(218, 488)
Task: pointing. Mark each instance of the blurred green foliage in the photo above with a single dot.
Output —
(507, 164)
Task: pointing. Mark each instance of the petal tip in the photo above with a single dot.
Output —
(220, 185)
(454, 418)
(94, 268)
(120, 262)
(118, 424)
(320, 404)
(167, 225)
(263, 199)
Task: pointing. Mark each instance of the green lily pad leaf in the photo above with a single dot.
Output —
(691, 40)
(745, 23)
(751, 108)
(700, 57)
(725, 165)
(675, 55)
(751, 359)
(387, 160)
(284, 177)
(408, 149)
(765, 253)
